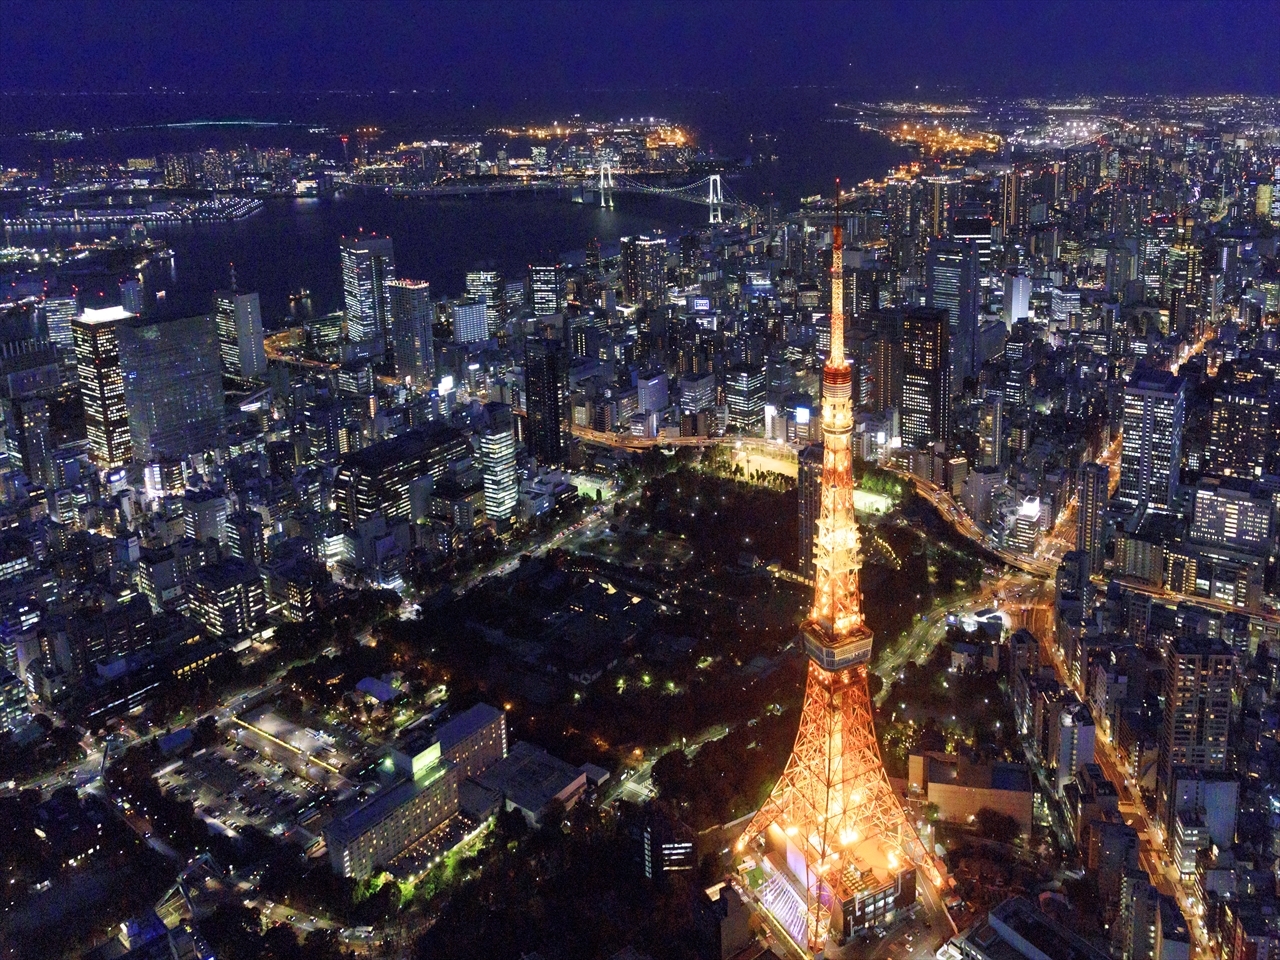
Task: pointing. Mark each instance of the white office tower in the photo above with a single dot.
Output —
(470, 323)
(239, 320)
(1151, 455)
(498, 462)
(58, 314)
(485, 287)
(1017, 297)
(367, 264)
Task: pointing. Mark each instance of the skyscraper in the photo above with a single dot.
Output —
(972, 224)
(546, 285)
(1092, 492)
(1151, 456)
(172, 386)
(412, 313)
(644, 270)
(367, 264)
(886, 372)
(498, 462)
(941, 199)
(239, 321)
(131, 296)
(1244, 431)
(484, 286)
(651, 390)
(926, 378)
(1017, 297)
(952, 279)
(470, 322)
(991, 431)
(58, 314)
(546, 400)
(745, 393)
(97, 345)
(26, 425)
(1199, 675)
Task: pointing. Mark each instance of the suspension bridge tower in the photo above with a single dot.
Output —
(833, 836)
(715, 198)
(606, 185)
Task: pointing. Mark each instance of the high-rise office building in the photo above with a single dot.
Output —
(14, 711)
(972, 224)
(546, 400)
(172, 386)
(376, 480)
(952, 279)
(1014, 206)
(1199, 675)
(697, 392)
(367, 264)
(744, 391)
(1244, 432)
(96, 337)
(239, 321)
(1227, 513)
(644, 270)
(228, 598)
(991, 431)
(498, 462)
(1092, 492)
(470, 322)
(412, 314)
(651, 390)
(26, 426)
(940, 201)
(809, 495)
(484, 286)
(131, 296)
(1064, 309)
(886, 372)
(546, 286)
(926, 377)
(58, 314)
(1151, 455)
(247, 536)
(1017, 297)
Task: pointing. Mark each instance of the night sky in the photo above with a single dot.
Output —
(491, 50)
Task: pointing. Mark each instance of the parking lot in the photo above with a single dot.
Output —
(269, 773)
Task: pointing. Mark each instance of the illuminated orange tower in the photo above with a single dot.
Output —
(833, 826)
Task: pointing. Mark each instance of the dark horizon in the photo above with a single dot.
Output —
(501, 50)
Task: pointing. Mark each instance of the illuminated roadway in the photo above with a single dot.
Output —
(1154, 860)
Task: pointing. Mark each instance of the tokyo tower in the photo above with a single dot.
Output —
(839, 850)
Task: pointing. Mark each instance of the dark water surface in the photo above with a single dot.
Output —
(791, 139)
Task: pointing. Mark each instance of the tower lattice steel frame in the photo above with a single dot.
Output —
(834, 805)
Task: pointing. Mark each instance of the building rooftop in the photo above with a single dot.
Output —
(1018, 930)
(104, 314)
(226, 574)
(530, 778)
(380, 456)
(466, 724)
(1150, 378)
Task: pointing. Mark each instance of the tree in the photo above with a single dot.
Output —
(997, 826)
(205, 734)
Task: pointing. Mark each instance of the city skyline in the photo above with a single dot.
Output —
(639, 482)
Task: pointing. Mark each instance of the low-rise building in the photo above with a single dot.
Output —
(959, 787)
